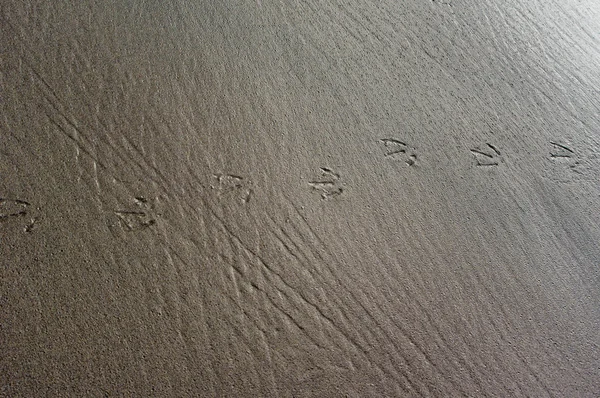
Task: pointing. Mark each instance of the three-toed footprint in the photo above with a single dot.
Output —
(328, 185)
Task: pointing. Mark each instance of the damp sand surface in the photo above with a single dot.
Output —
(299, 199)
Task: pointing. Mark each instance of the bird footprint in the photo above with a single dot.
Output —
(487, 155)
(230, 184)
(396, 149)
(141, 217)
(328, 185)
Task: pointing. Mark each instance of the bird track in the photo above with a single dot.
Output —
(142, 217)
(398, 150)
(11, 209)
(231, 185)
(328, 185)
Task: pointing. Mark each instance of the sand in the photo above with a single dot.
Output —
(299, 198)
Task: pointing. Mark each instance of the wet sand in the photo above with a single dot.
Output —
(299, 199)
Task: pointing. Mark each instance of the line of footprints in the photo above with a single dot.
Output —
(328, 185)
(487, 155)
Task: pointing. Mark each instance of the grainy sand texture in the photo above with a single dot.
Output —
(317, 198)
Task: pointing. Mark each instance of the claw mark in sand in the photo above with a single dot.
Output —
(12, 208)
(328, 185)
(31, 225)
(141, 218)
(16, 208)
(560, 151)
(487, 155)
(230, 184)
(562, 154)
(396, 149)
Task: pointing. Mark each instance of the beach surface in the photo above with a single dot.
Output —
(300, 198)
